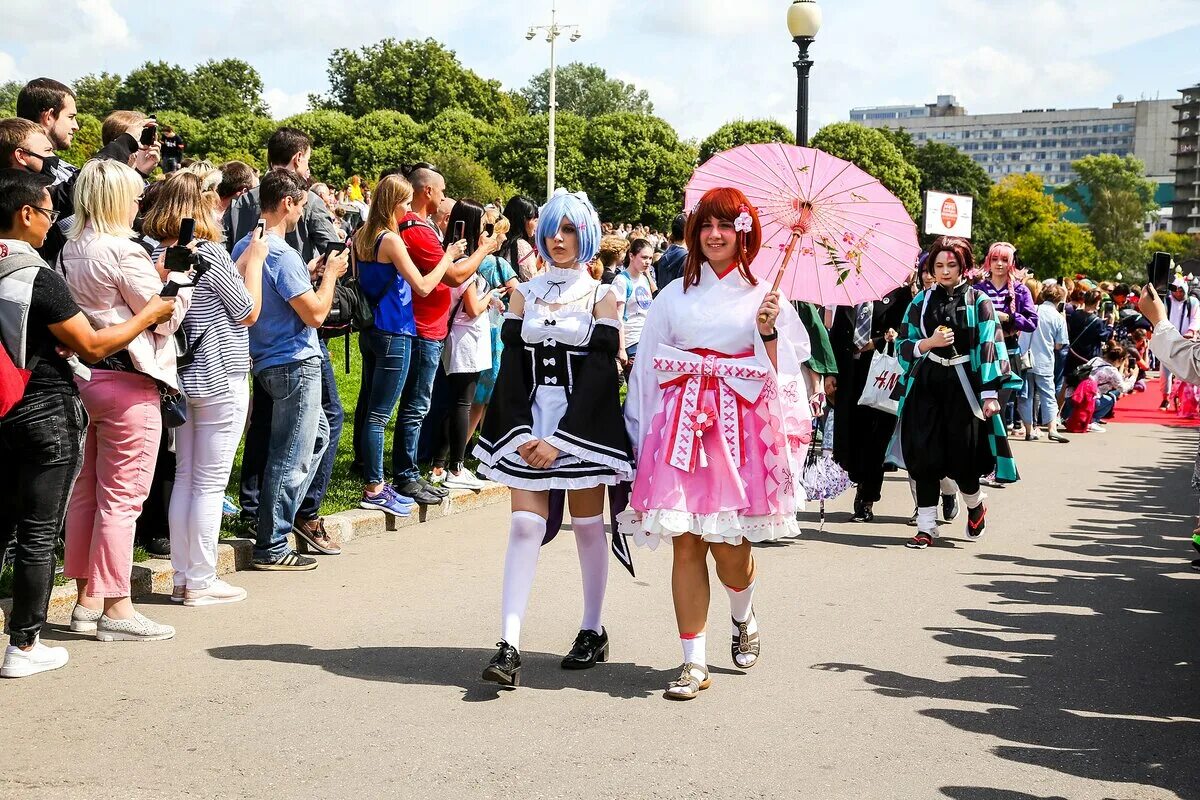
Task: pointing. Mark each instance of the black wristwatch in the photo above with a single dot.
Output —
(769, 337)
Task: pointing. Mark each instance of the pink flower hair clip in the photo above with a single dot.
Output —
(744, 223)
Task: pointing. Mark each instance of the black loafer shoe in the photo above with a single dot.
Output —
(440, 491)
(590, 648)
(417, 491)
(505, 666)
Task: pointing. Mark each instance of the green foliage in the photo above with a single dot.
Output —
(1114, 198)
(1015, 204)
(96, 93)
(466, 178)
(1059, 248)
(1179, 245)
(86, 141)
(874, 152)
(8, 97)
(235, 136)
(457, 131)
(418, 78)
(382, 140)
(518, 154)
(635, 168)
(903, 141)
(586, 90)
(331, 132)
(945, 169)
(739, 132)
(189, 128)
(212, 89)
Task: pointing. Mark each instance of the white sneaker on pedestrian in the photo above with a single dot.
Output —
(135, 629)
(463, 479)
(1096, 427)
(215, 594)
(83, 620)
(20, 663)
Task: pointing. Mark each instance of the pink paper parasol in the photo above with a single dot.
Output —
(832, 234)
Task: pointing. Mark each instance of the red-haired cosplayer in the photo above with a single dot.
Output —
(718, 414)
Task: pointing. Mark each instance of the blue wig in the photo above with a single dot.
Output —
(578, 209)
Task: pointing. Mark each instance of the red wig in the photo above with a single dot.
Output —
(959, 247)
(724, 203)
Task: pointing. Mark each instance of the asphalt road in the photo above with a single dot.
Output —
(1054, 658)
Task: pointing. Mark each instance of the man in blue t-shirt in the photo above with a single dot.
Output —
(287, 364)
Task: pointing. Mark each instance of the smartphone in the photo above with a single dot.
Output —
(1158, 273)
(187, 229)
(334, 248)
(1106, 308)
(489, 229)
(262, 227)
(460, 230)
(149, 132)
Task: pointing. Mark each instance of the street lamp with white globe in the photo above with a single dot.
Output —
(804, 20)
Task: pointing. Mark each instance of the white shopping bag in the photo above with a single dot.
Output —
(882, 378)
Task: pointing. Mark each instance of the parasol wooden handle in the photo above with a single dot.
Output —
(787, 257)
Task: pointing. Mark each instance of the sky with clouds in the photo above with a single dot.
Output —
(704, 62)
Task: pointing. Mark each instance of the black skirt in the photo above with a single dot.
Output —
(940, 435)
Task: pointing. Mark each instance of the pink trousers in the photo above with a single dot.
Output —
(118, 463)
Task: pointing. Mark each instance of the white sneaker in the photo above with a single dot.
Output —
(1096, 427)
(135, 629)
(83, 620)
(20, 663)
(218, 592)
(463, 479)
(437, 478)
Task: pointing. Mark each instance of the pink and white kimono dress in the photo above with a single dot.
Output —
(719, 434)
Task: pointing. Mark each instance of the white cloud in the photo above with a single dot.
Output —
(8, 68)
(67, 41)
(285, 104)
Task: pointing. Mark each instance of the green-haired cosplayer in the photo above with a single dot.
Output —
(954, 361)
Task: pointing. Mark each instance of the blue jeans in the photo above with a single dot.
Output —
(414, 405)
(298, 440)
(1043, 387)
(391, 354)
(1105, 405)
(254, 457)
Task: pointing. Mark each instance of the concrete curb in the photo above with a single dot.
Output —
(155, 576)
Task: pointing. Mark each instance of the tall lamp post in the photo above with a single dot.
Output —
(804, 20)
(552, 31)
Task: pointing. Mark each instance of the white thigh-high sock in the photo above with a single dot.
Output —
(927, 520)
(740, 607)
(693, 648)
(973, 500)
(592, 544)
(948, 486)
(525, 535)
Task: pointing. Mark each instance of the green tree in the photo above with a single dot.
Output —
(466, 178)
(1016, 204)
(739, 132)
(228, 86)
(86, 142)
(874, 152)
(415, 77)
(457, 131)
(8, 97)
(1179, 245)
(154, 86)
(235, 136)
(1059, 248)
(586, 90)
(517, 156)
(190, 128)
(331, 132)
(96, 93)
(1114, 198)
(903, 141)
(635, 168)
(382, 140)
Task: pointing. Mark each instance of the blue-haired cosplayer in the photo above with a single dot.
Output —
(557, 387)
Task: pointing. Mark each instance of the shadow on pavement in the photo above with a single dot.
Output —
(460, 667)
(979, 793)
(1086, 660)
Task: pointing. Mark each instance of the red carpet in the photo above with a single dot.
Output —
(1141, 408)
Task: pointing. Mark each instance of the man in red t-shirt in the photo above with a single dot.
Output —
(432, 314)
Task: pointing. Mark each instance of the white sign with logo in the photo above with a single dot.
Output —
(948, 214)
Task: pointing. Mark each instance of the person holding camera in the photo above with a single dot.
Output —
(287, 362)
(112, 278)
(213, 373)
(42, 436)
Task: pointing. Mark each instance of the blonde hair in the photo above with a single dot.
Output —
(117, 123)
(391, 192)
(104, 192)
(209, 173)
(182, 195)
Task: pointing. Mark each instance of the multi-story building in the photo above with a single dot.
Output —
(1185, 208)
(1042, 141)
